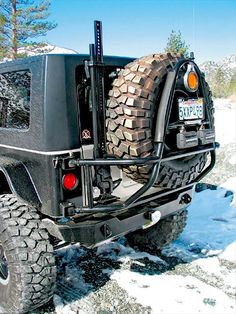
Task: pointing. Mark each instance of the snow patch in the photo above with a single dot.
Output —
(229, 254)
(49, 49)
(141, 255)
(232, 159)
(174, 294)
(124, 254)
(225, 121)
(230, 184)
(59, 304)
(212, 266)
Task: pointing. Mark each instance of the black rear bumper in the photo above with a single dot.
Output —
(99, 228)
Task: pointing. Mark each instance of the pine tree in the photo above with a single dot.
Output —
(25, 21)
(3, 41)
(232, 85)
(176, 44)
(219, 86)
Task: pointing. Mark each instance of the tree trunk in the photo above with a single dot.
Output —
(14, 31)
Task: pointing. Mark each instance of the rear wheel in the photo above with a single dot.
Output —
(27, 263)
(131, 115)
(161, 234)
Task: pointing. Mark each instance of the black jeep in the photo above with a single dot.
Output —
(93, 148)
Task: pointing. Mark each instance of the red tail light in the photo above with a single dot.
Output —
(70, 181)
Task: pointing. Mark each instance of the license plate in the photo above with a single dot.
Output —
(190, 109)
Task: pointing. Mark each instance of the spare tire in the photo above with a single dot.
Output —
(132, 106)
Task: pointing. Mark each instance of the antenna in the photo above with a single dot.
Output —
(193, 25)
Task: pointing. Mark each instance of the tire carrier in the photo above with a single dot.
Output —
(101, 162)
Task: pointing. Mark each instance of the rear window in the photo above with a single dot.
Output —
(15, 99)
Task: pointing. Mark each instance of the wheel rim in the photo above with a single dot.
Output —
(4, 272)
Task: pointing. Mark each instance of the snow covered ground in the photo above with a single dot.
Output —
(195, 274)
(225, 122)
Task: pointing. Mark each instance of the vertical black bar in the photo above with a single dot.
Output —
(92, 52)
(88, 173)
(94, 101)
(100, 88)
(102, 111)
(99, 108)
(98, 40)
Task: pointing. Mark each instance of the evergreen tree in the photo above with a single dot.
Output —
(232, 85)
(3, 41)
(176, 44)
(24, 21)
(219, 86)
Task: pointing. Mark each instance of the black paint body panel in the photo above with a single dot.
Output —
(54, 128)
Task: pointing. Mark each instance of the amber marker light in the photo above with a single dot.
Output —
(191, 80)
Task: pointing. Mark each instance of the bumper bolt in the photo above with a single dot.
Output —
(185, 199)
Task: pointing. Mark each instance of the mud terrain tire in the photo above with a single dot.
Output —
(29, 278)
(130, 116)
(161, 234)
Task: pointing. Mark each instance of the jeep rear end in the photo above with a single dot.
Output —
(95, 147)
